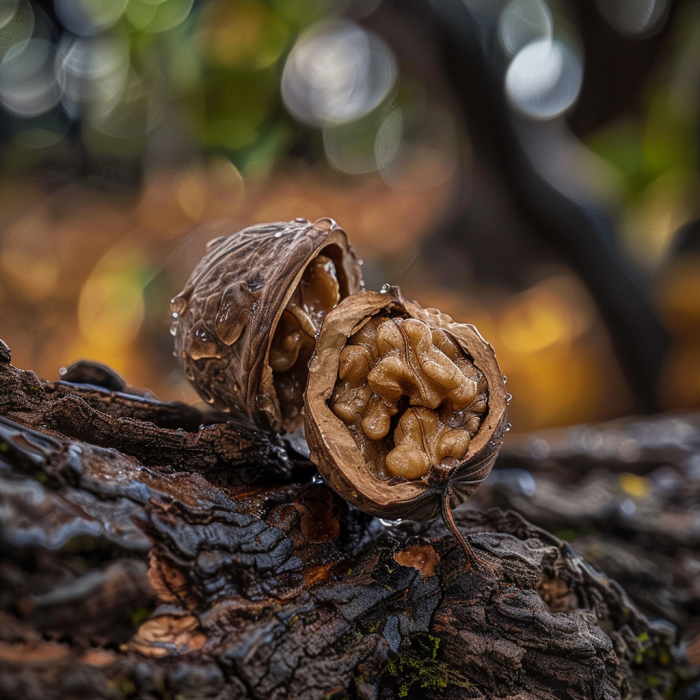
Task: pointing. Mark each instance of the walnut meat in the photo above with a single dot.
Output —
(247, 319)
(401, 401)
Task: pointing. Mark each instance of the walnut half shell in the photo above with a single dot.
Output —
(246, 322)
(405, 408)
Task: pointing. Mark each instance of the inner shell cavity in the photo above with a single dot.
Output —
(410, 396)
(294, 340)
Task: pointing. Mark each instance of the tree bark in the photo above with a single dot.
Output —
(625, 494)
(153, 551)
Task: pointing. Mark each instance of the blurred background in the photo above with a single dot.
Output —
(528, 166)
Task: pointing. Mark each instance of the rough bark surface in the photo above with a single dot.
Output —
(626, 494)
(150, 551)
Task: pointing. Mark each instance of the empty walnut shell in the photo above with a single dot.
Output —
(405, 408)
(246, 322)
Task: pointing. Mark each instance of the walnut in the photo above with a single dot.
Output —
(295, 338)
(246, 321)
(443, 396)
(405, 408)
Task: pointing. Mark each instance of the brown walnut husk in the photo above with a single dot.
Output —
(233, 303)
(338, 454)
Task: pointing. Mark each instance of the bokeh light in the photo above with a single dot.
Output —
(544, 78)
(522, 22)
(351, 148)
(243, 35)
(157, 17)
(27, 81)
(634, 16)
(337, 73)
(92, 69)
(88, 17)
(17, 20)
(418, 147)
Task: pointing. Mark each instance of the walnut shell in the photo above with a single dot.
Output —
(440, 367)
(228, 317)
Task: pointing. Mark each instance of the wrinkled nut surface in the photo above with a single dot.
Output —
(245, 323)
(400, 400)
(402, 367)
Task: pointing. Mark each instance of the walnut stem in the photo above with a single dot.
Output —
(449, 521)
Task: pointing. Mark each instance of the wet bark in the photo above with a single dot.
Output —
(153, 551)
(626, 495)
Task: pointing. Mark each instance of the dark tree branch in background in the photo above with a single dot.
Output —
(582, 235)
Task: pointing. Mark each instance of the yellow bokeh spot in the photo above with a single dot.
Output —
(111, 309)
(551, 312)
(634, 485)
(651, 223)
(532, 328)
(225, 187)
(243, 34)
(158, 15)
(536, 322)
(191, 195)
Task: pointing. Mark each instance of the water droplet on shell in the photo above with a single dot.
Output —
(314, 364)
(325, 224)
(204, 344)
(263, 403)
(178, 304)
